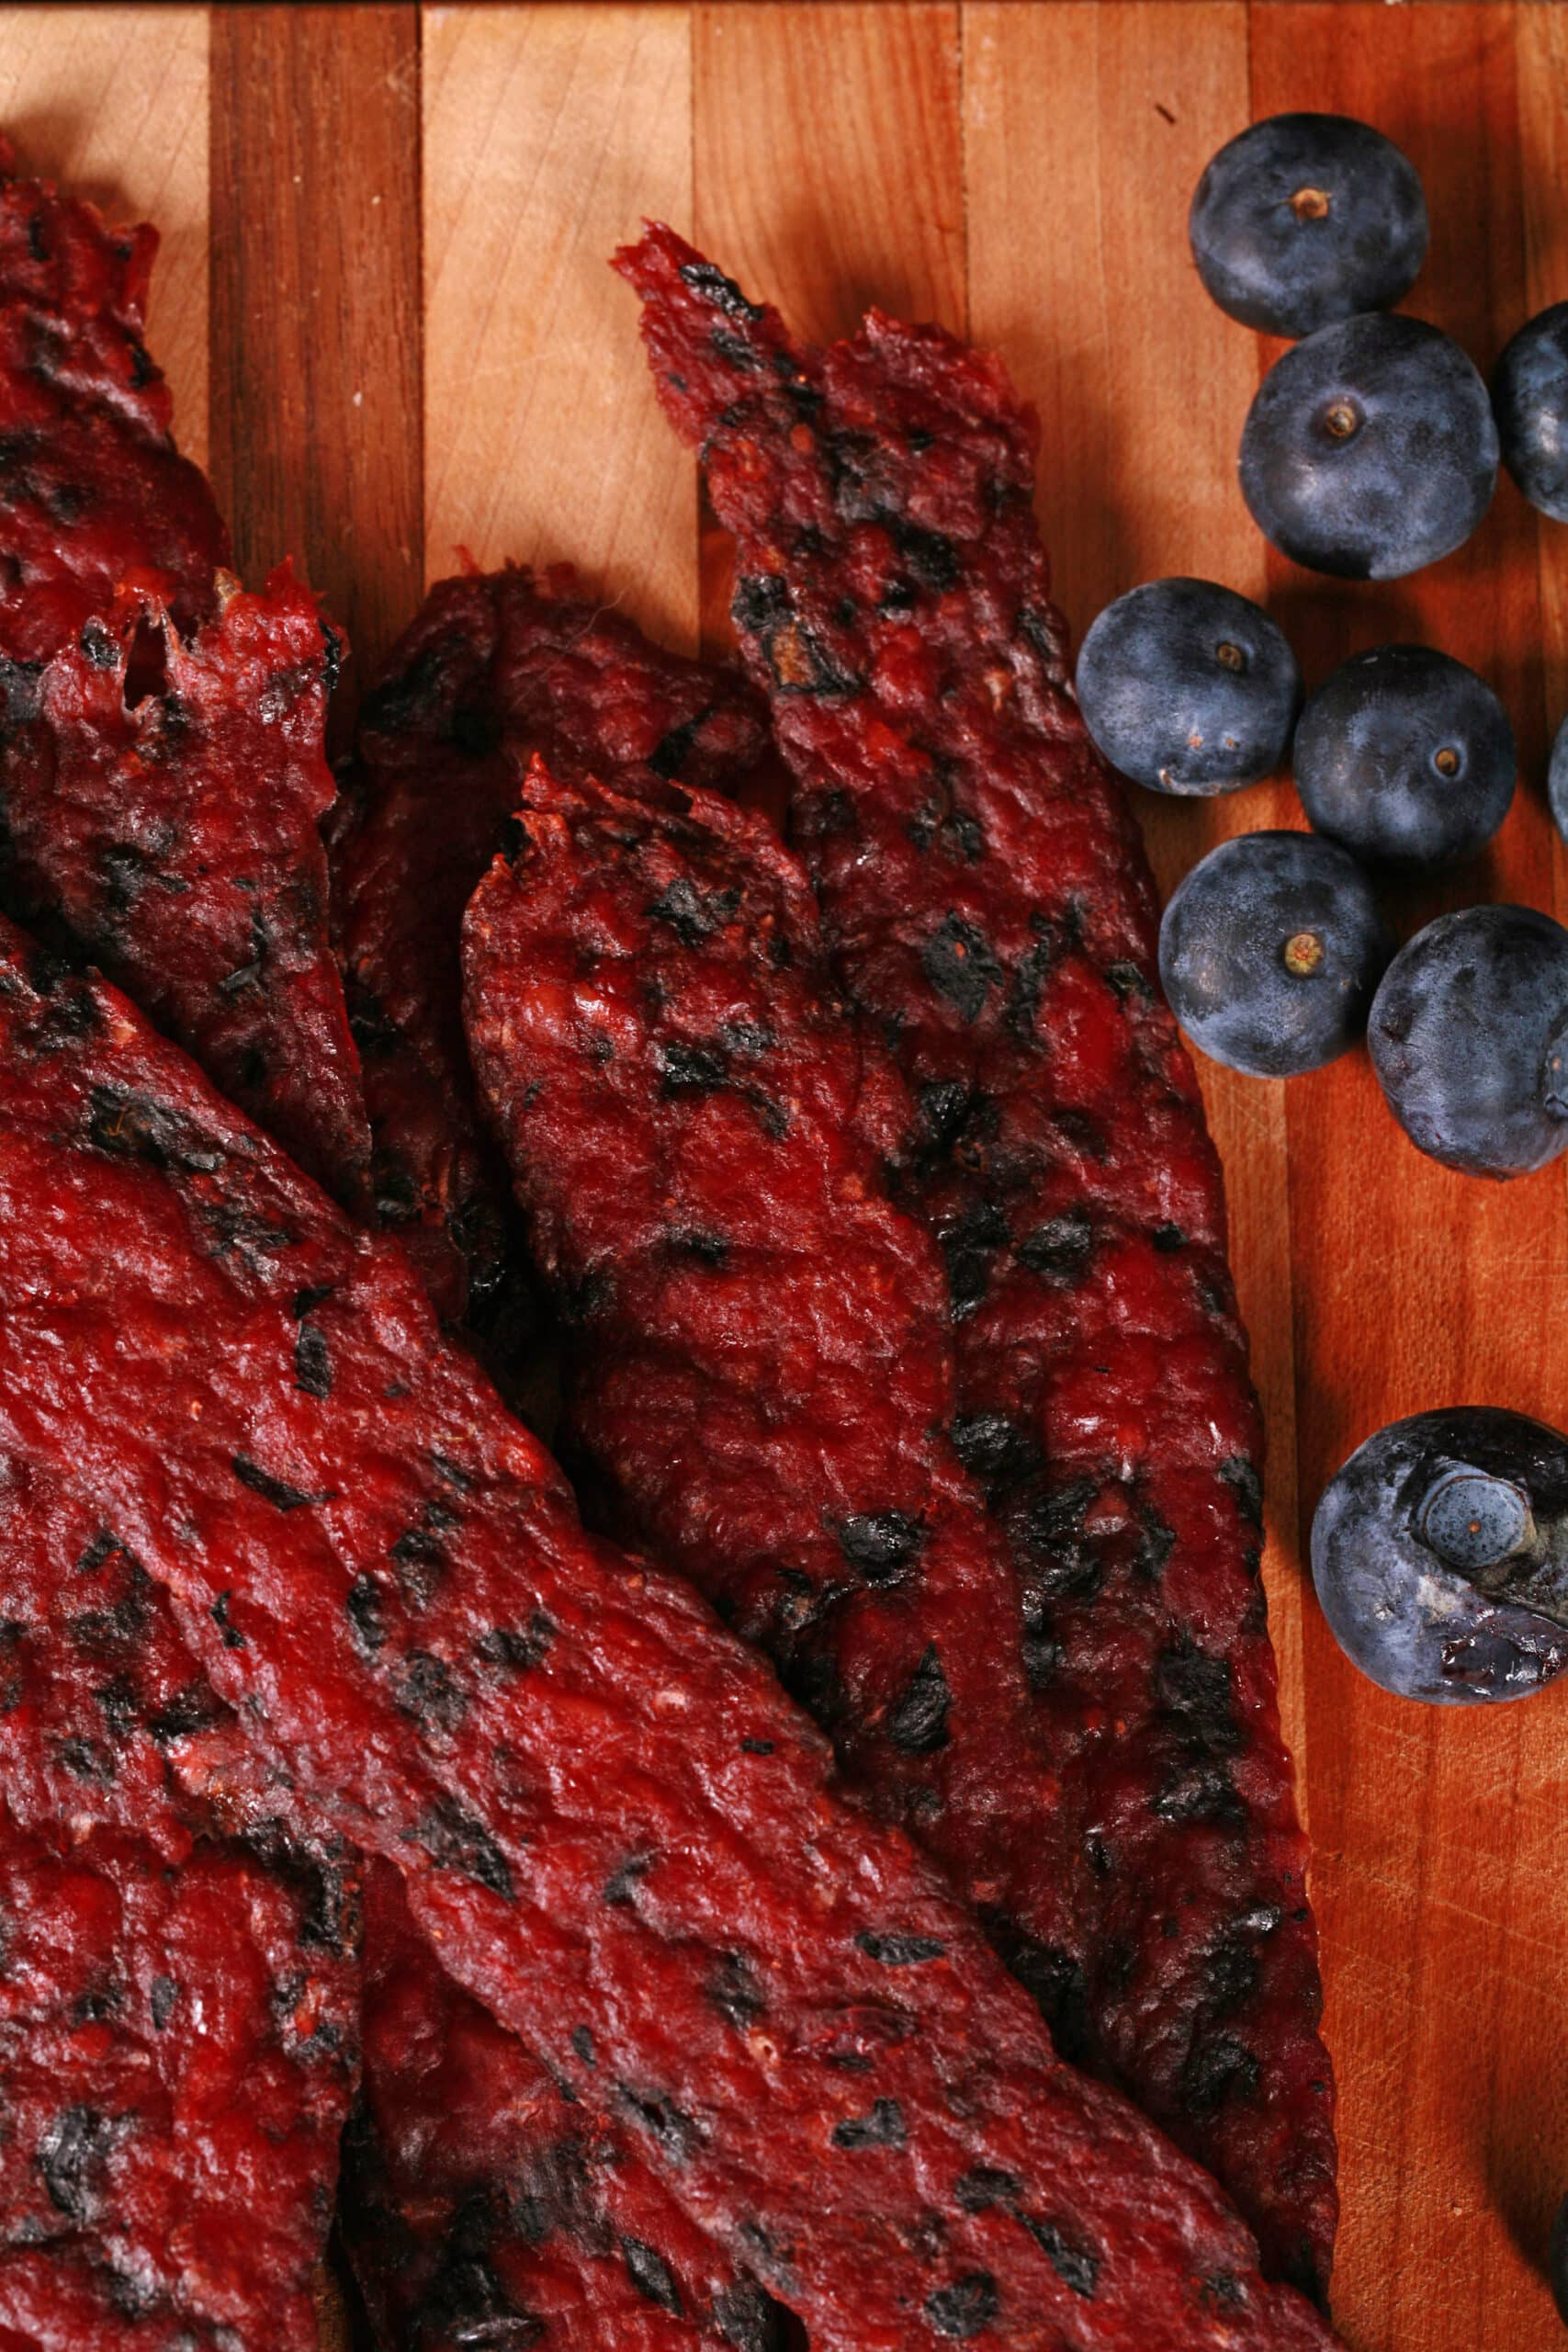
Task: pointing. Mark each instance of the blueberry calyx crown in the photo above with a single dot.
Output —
(1474, 1520)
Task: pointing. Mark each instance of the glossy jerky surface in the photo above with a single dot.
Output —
(760, 1366)
(602, 1805)
(92, 488)
(161, 802)
(175, 2050)
(495, 667)
(990, 909)
(480, 2199)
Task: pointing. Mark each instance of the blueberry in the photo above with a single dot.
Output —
(1405, 757)
(1188, 687)
(1469, 1037)
(1307, 218)
(1440, 1556)
(1529, 394)
(1270, 951)
(1370, 448)
(1557, 780)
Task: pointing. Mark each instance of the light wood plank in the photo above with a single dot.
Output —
(111, 103)
(316, 305)
(1085, 129)
(548, 133)
(1445, 1911)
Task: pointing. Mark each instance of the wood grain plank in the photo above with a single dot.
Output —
(1086, 128)
(112, 104)
(1444, 1914)
(548, 133)
(316, 311)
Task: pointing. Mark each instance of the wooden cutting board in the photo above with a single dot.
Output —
(384, 306)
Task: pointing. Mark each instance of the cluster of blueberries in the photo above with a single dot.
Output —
(1440, 1549)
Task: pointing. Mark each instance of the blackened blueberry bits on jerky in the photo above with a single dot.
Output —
(713, 286)
(456, 1841)
(757, 1747)
(1195, 1691)
(996, 1449)
(365, 1611)
(894, 1951)
(883, 1546)
(72, 2154)
(161, 1996)
(583, 2043)
(748, 2321)
(1127, 980)
(516, 1650)
(1205, 1792)
(276, 1491)
(759, 603)
(101, 1547)
(966, 2308)
(1073, 2262)
(969, 1245)
(192, 1708)
(97, 646)
(882, 2127)
(1242, 1474)
(958, 961)
(232, 1637)
(1168, 1238)
(675, 2134)
(620, 1887)
(734, 1991)
(312, 1362)
(918, 1722)
(1219, 2070)
(651, 2276)
(86, 1760)
(431, 1692)
(1055, 1980)
(692, 1069)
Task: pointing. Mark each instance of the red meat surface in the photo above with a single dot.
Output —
(92, 488)
(991, 913)
(175, 2048)
(603, 1808)
(495, 666)
(175, 837)
(482, 2198)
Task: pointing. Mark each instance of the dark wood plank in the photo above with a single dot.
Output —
(316, 304)
(1444, 1912)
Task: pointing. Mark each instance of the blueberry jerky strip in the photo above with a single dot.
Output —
(990, 911)
(92, 488)
(603, 1808)
(758, 1362)
(486, 2201)
(173, 2053)
(177, 842)
(494, 666)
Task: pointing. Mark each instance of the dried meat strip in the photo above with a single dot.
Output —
(480, 2199)
(174, 2048)
(494, 666)
(92, 488)
(991, 913)
(170, 827)
(760, 1368)
(604, 1809)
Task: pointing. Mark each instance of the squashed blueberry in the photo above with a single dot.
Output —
(1306, 218)
(1405, 757)
(1270, 951)
(1469, 1037)
(1440, 1556)
(1529, 394)
(1188, 687)
(1369, 450)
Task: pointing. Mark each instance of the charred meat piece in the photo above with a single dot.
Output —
(161, 805)
(991, 913)
(478, 2195)
(495, 667)
(602, 1805)
(759, 1367)
(93, 491)
(175, 2050)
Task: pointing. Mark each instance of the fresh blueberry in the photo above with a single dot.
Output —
(1307, 218)
(1270, 951)
(1405, 757)
(1441, 1555)
(1188, 687)
(1557, 780)
(1370, 448)
(1559, 2261)
(1529, 393)
(1469, 1037)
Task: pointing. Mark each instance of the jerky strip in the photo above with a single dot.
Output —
(479, 2195)
(493, 667)
(991, 913)
(760, 1369)
(92, 489)
(591, 1836)
(173, 2057)
(175, 837)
